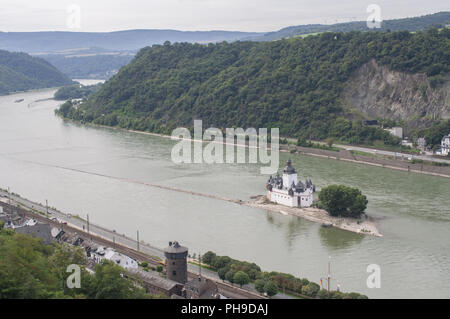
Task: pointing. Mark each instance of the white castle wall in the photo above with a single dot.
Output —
(282, 197)
(288, 179)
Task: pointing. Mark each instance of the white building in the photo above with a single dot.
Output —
(445, 146)
(120, 259)
(289, 191)
(396, 131)
(30, 222)
(407, 143)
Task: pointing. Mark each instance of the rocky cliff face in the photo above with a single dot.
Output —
(379, 92)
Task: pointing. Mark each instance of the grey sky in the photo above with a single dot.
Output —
(242, 15)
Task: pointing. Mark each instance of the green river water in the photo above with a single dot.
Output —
(39, 150)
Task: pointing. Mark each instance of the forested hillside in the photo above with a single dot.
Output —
(20, 71)
(439, 19)
(31, 270)
(292, 84)
(89, 66)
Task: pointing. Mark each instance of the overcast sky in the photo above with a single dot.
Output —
(242, 15)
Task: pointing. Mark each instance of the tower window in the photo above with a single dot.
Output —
(174, 273)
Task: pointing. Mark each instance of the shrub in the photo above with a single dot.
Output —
(222, 272)
(230, 276)
(311, 289)
(271, 288)
(208, 257)
(220, 261)
(241, 278)
(336, 295)
(259, 285)
(322, 294)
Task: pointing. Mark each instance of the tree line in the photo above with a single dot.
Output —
(76, 91)
(270, 283)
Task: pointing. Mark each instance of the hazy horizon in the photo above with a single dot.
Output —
(198, 15)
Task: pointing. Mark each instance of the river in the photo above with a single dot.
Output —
(43, 157)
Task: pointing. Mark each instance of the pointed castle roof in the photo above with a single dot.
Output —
(289, 169)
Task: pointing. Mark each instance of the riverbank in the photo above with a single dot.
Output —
(364, 226)
(97, 235)
(343, 155)
(399, 165)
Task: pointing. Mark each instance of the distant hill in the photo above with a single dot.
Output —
(20, 72)
(300, 85)
(407, 24)
(34, 42)
(100, 55)
(91, 63)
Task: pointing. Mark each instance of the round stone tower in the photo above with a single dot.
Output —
(176, 262)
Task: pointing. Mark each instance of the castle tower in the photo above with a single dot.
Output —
(176, 262)
(289, 175)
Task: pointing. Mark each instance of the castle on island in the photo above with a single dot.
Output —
(289, 191)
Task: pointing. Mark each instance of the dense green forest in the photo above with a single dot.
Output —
(76, 91)
(293, 84)
(102, 64)
(20, 72)
(413, 24)
(32, 270)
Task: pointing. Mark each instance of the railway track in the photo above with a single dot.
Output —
(224, 288)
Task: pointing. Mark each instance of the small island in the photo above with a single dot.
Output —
(338, 206)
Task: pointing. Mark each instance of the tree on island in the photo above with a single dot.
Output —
(341, 200)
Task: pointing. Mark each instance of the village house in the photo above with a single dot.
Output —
(201, 288)
(42, 231)
(444, 150)
(156, 284)
(395, 131)
(114, 256)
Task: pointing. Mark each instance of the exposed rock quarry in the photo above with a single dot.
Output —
(380, 92)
